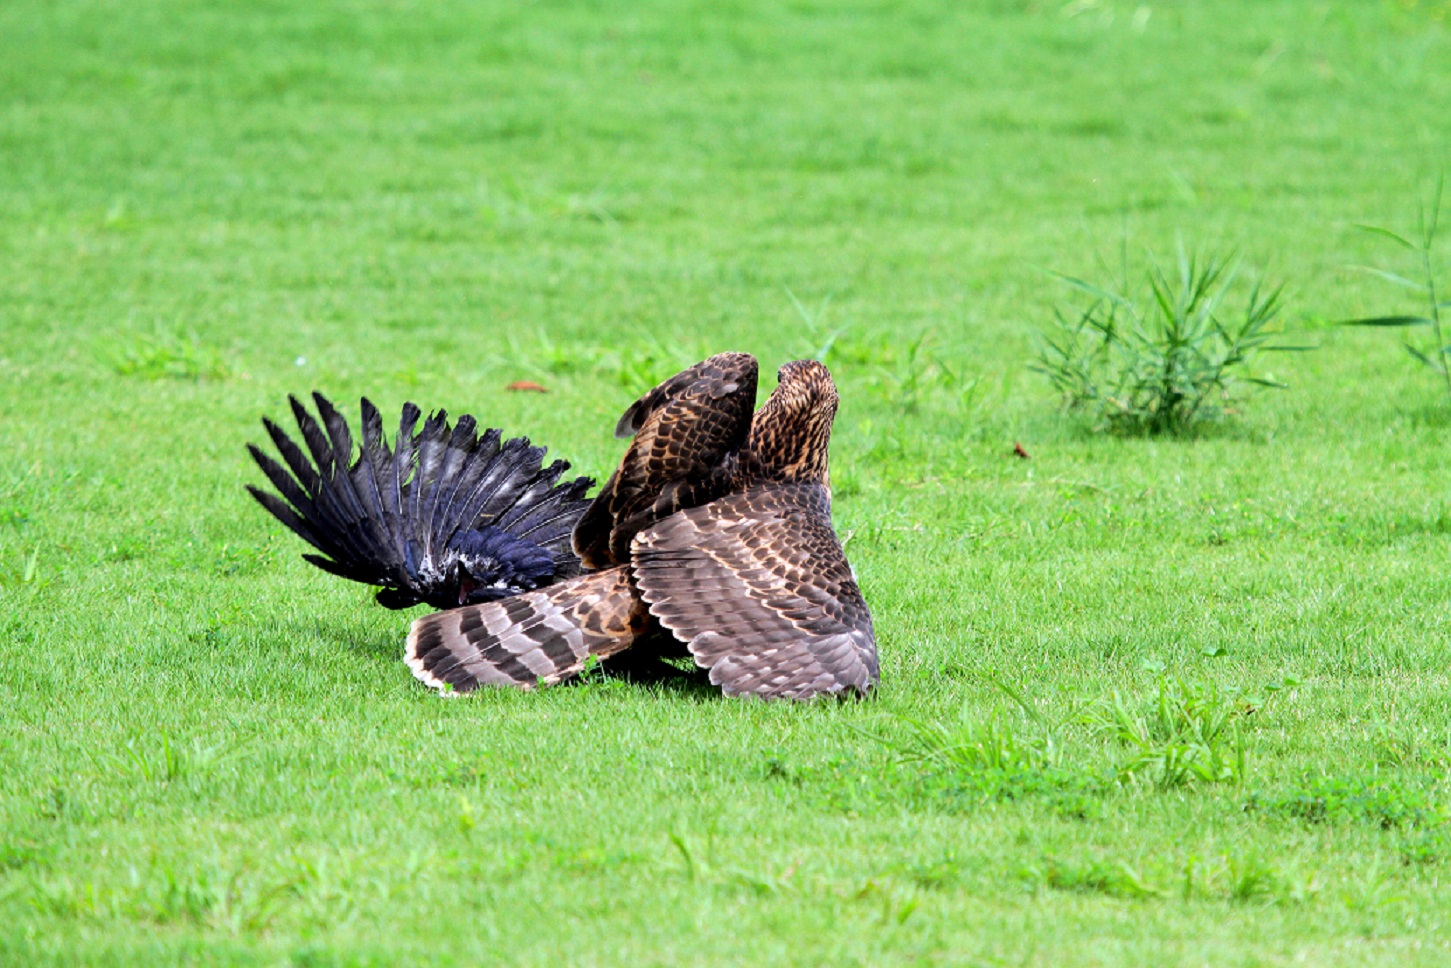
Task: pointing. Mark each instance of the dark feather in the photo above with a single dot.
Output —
(687, 432)
(429, 520)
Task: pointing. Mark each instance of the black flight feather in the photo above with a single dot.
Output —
(446, 516)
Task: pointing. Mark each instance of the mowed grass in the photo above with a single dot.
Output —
(1143, 701)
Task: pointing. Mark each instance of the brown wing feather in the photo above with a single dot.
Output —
(537, 637)
(759, 588)
(686, 431)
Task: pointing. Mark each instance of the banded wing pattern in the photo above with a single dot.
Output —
(758, 587)
(538, 637)
(686, 432)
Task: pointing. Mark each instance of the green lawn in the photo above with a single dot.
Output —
(212, 753)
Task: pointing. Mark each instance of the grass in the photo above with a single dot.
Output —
(1436, 355)
(1165, 369)
(212, 753)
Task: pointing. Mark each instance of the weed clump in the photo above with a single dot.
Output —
(1190, 734)
(1434, 352)
(165, 355)
(972, 763)
(1385, 804)
(1115, 879)
(1238, 878)
(1166, 361)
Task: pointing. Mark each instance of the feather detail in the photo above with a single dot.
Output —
(757, 586)
(419, 520)
(538, 638)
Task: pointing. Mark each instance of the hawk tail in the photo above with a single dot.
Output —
(537, 638)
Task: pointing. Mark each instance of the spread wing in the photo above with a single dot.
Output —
(758, 587)
(445, 516)
(538, 637)
(686, 431)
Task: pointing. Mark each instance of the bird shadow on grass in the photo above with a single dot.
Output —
(381, 647)
(668, 676)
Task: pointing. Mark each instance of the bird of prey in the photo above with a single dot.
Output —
(446, 516)
(713, 534)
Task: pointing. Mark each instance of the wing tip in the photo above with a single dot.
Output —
(413, 655)
(734, 680)
(430, 634)
(837, 692)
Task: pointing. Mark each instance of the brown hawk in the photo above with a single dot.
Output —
(714, 533)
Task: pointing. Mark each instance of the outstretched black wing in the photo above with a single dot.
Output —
(447, 516)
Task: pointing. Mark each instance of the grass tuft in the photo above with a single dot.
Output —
(1189, 734)
(1388, 804)
(1113, 878)
(166, 355)
(1166, 359)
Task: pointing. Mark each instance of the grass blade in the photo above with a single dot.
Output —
(1387, 233)
(1387, 321)
(1392, 277)
(1091, 289)
(1435, 364)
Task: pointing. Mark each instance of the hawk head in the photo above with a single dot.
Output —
(791, 433)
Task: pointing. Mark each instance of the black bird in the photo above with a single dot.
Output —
(447, 516)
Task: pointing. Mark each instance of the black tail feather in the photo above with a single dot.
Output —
(401, 518)
(355, 497)
(368, 476)
(478, 502)
(459, 447)
(363, 537)
(538, 521)
(312, 436)
(281, 480)
(283, 512)
(330, 512)
(404, 446)
(550, 524)
(502, 487)
(336, 511)
(483, 450)
(431, 446)
(296, 461)
(378, 459)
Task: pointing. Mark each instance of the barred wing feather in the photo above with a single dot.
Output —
(759, 588)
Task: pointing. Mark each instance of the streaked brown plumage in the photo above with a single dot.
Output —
(715, 532)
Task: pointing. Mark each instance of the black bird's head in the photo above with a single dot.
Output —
(490, 564)
(477, 565)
